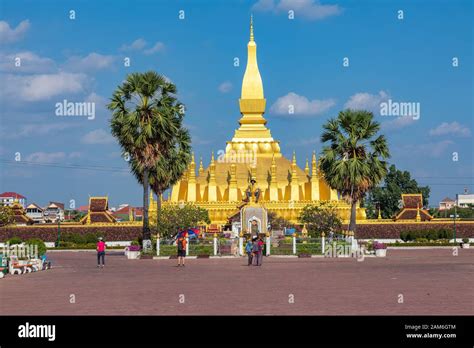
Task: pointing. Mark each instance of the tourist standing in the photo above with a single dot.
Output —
(257, 252)
(101, 253)
(248, 250)
(181, 250)
(260, 251)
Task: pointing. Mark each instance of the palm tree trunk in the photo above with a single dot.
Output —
(146, 227)
(352, 224)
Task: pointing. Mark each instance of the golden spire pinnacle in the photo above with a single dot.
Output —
(212, 170)
(192, 170)
(251, 28)
(294, 174)
(306, 168)
(314, 168)
(201, 167)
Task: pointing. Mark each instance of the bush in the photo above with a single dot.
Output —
(14, 240)
(423, 235)
(41, 246)
(77, 238)
(465, 240)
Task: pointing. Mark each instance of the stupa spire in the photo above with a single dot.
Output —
(251, 28)
(252, 134)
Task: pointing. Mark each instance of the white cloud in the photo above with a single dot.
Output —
(34, 129)
(158, 47)
(140, 44)
(97, 136)
(398, 123)
(225, 87)
(9, 35)
(308, 9)
(45, 157)
(367, 101)
(453, 128)
(92, 62)
(136, 45)
(300, 105)
(29, 63)
(40, 87)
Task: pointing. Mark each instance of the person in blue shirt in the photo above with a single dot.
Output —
(248, 250)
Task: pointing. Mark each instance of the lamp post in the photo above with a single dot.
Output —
(454, 222)
(59, 231)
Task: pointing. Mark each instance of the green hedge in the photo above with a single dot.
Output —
(443, 233)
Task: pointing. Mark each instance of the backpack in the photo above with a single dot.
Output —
(180, 245)
(255, 248)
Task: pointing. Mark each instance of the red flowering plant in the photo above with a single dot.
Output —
(378, 245)
(134, 248)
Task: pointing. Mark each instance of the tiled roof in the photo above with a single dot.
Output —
(12, 194)
(447, 199)
(33, 205)
(58, 204)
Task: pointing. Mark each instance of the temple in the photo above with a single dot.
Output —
(254, 155)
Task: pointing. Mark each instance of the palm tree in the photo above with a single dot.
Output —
(167, 170)
(145, 121)
(354, 160)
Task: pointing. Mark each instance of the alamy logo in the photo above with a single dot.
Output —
(406, 109)
(66, 108)
(37, 331)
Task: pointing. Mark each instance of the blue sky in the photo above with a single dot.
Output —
(300, 60)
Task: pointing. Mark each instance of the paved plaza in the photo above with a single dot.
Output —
(429, 282)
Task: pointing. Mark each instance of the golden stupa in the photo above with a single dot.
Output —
(253, 154)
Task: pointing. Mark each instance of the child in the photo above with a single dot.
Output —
(181, 250)
(248, 250)
(100, 253)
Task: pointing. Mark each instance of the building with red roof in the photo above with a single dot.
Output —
(8, 198)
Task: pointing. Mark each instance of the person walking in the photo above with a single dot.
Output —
(248, 250)
(101, 253)
(256, 251)
(181, 250)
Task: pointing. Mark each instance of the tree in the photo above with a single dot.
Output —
(388, 195)
(322, 218)
(6, 215)
(175, 218)
(168, 170)
(353, 162)
(277, 222)
(145, 121)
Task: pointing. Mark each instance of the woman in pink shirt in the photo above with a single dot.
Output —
(100, 252)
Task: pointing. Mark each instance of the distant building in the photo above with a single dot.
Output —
(126, 211)
(447, 204)
(413, 208)
(464, 200)
(35, 212)
(8, 198)
(54, 212)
